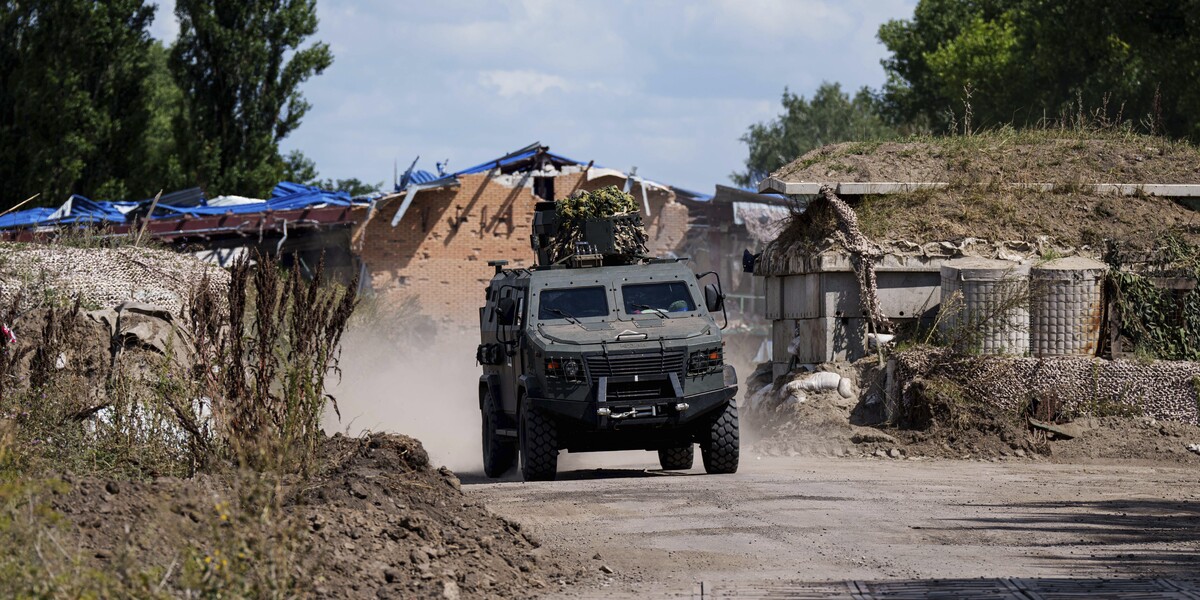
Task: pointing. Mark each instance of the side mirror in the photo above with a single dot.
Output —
(506, 312)
(714, 300)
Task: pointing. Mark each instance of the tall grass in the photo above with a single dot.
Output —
(267, 357)
(245, 403)
(248, 392)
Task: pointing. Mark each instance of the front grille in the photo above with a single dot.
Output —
(624, 365)
(636, 391)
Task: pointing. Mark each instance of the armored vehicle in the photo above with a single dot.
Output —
(600, 347)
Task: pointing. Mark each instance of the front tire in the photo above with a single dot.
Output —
(539, 445)
(499, 454)
(677, 459)
(719, 446)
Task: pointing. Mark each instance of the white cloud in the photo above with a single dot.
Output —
(668, 85)
(521, 82)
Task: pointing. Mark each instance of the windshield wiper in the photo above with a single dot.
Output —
(660, 311)
(565, 315)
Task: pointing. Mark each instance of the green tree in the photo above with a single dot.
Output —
(1025, 61)
(161, 169)
(353, 186)
(299, 168)
(73, 104)
(831, 116)
(240, 66)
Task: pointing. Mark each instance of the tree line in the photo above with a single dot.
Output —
(91, 103)
(973, 64)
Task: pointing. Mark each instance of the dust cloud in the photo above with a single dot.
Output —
(427, 391)
(430, 391)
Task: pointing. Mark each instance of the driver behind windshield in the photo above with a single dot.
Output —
(657, 298)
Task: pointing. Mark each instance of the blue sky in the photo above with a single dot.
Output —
(666, 85)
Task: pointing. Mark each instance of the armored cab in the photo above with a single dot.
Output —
(602, 347)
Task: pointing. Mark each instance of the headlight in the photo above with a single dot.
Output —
(704, 362)
(567, 369)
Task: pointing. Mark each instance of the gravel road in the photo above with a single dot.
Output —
(826, 527)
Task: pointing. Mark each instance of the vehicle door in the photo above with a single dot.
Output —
(514, 362)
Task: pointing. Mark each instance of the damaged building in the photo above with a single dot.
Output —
(430, 238)
(301, 225)
(433, 238)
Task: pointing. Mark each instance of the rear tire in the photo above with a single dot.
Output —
(677, 459)
(499, 453)
(719, 447)
(539, 445)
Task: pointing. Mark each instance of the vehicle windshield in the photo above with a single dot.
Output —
(657, 298)
(573, 303)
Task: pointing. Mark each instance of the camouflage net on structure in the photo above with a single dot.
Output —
(103, 277)
(609, 203)
(1060, 387)
(863, 254)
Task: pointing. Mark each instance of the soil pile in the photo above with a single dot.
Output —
(378, 521)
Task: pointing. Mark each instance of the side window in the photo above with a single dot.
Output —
(519, 296)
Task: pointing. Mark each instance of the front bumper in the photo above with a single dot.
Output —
(657, 413)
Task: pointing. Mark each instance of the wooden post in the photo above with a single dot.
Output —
(138, 240)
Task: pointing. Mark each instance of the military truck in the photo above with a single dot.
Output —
(597, 348)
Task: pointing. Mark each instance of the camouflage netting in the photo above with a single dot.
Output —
(1063, 387)
(605, 203)
(104, 277)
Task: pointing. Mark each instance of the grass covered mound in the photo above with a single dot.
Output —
(1060, 156)
(978, 204)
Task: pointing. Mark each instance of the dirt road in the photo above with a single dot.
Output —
(781, 525)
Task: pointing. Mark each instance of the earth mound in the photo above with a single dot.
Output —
(377, 521)
(1004, 156)
(978, 202)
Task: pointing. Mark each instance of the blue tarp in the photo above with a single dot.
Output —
(285, 196)
(515, 157)
(25, 218)
(83, 210)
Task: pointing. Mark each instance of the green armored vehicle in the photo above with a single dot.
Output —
(601, 347)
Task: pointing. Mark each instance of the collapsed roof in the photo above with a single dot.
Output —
(78, 210)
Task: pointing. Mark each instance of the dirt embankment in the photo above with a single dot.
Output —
(378, 521)
(980, 203)
(1005, 156)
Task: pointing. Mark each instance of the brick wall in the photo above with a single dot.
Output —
(439, 251)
